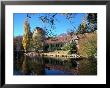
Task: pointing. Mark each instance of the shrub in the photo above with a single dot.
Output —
(88, 45)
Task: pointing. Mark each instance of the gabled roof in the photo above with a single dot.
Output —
(61, 39)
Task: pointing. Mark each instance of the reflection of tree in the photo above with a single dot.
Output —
(34, 66)
(25, 66)
(30, 67)
(37, 68)
(18, 61)
(70, 64)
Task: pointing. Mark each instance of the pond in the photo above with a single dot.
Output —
(24, 65)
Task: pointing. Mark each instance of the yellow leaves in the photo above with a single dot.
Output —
(84, 25)
(88, 45)
(25, 42)
(26, 35)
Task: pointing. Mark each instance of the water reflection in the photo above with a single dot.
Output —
(24, 65)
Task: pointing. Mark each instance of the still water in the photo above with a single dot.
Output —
(24, 65)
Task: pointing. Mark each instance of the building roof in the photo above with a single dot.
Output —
(61, 39)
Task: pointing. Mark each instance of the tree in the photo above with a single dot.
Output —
(92, 21)
(82, 28)
(26, 36)
(73, 47)
(66, 47)
(38, 38)
(88, 45)
(89, 24)
(18, 42)
(92, 17)
(49, 20)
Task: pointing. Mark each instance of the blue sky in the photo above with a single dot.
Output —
(62, 24)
